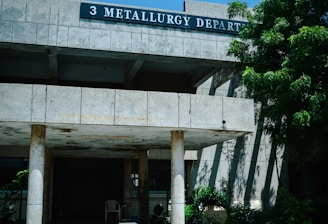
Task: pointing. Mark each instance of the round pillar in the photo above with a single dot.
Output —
(36, 175)
(177, 178)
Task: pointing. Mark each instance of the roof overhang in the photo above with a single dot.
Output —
(117, 123)
(23, 63)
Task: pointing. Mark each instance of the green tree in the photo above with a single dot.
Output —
(284, 50)
(13, 190)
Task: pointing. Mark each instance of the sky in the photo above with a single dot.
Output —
(176, 5)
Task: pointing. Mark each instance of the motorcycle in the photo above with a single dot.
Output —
(6, 216)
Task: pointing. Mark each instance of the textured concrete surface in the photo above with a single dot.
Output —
(58, 23)
(78, 105)
(108, 118)
(244, 161)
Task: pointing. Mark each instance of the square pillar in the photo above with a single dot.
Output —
(127, 189)
(143, 194)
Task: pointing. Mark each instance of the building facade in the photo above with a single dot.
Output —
(140, 105)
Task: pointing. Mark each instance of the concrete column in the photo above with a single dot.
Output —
(127, 188)
(143, 195)
(177, 178)
(36, 174)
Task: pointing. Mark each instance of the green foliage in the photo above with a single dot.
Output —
(287, 210)
(12, 190)
(309, 51)
(202, 197)
(190, 211)
(300, 87)
(240, 213)
(209, 196)
(317, 102)
(301, 119)
(238, 8)
(284, 52)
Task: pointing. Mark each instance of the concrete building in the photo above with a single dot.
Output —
(104, 101)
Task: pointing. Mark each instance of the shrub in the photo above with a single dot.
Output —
(191, 211)
(290, 210)
(287, 210)
(202, 197)
(209, 196)
(242, 214)
(12, 191)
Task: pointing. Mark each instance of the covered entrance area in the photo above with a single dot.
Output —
(49, 122)
(82, 185)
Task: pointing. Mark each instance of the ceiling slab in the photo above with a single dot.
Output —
(106, 141)
(80, 67)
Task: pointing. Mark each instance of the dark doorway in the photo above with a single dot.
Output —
(81, 186)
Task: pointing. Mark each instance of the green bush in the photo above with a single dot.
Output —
(204, 196)
(190, 211)
(13, 190)
(209, 196)
(290, 210)
(287, 210)
(239, 212)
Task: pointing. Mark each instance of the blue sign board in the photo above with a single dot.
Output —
(159, 18)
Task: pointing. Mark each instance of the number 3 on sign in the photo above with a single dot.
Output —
(93, 10)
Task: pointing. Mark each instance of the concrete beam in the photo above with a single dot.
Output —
(76, 105)
(53, 66)
(133, 69)
(119, 119)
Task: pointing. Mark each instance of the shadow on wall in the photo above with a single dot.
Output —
(247, 167)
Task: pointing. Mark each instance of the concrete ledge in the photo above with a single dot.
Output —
(131, 108)
(184, 110)
(76, 105)
(238, 113)
(63, 104)
(91, 113)
(163, 109)
(15, 102)
(206, 112)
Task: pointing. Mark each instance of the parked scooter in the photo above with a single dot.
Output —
(6, 216)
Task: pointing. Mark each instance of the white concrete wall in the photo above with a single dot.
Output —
(244, 161)
(58, 23)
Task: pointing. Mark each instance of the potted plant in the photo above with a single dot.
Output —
(209, 196)
(212, 201)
